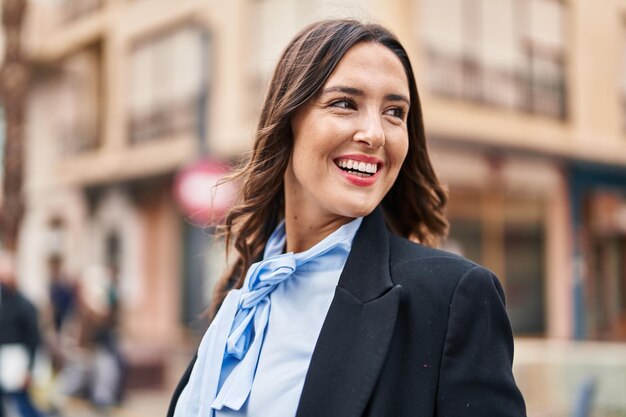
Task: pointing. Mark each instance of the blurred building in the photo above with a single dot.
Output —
(530, 105)
(524, 109)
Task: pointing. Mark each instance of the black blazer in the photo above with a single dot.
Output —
(411, 331)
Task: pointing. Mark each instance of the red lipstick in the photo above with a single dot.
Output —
(358, 180)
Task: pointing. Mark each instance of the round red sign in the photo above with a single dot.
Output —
(199, 193)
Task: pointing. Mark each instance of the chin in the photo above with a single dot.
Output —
(359, 210)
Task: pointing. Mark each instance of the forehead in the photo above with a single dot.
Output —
(371, 64)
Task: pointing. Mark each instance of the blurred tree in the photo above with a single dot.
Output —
(13, 85)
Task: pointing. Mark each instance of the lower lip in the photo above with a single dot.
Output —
(359, 181)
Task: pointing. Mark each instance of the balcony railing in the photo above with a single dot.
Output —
(472, 80)
(74, 140)
(165, 121)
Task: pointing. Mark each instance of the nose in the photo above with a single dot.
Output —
(370, 130)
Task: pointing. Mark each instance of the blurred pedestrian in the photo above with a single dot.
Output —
(19, 337)
(108, 386)
(62, 299)
(61, 292)
(331, 308)
(97, 368)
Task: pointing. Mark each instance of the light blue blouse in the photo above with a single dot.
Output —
(254, 357)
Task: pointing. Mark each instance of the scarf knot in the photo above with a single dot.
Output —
(260, 281)
(224, 370)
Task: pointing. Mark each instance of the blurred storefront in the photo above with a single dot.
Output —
(598, 196)
(503, 223)
(493, 68)
(527, 131)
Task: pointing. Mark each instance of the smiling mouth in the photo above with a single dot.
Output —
(360, 169)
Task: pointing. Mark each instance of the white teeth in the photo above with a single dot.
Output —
(360, 167)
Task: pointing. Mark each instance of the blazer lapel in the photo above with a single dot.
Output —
(354, 339)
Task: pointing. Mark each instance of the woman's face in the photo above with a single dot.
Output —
(350, 140)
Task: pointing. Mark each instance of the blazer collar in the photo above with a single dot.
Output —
(356, 333)
(366, 273)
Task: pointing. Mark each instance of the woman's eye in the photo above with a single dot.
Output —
(343, 104)
(396, 112)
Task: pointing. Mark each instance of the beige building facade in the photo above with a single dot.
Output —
(523, 103)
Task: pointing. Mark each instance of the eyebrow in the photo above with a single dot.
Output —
(358, 92)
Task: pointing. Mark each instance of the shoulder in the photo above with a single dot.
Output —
(408, 256)
(417, 266)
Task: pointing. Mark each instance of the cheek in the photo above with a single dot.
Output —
(404, 152)
(400, 152)
(304, 164)
(300, 148)
(302, 159)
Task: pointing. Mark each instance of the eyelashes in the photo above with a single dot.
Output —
(398, 112)
(344, 103)
(348, 103)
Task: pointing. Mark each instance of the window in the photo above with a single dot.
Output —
(524, 248)
(507, 53)
(605, 247)
(168, 84)
(76, 103)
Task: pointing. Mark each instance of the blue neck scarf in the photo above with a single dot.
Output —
(237, 332)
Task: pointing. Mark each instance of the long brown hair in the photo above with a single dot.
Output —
(413, 206)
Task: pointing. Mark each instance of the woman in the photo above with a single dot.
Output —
(341, 315)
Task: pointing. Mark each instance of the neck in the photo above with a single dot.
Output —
(304, 229)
